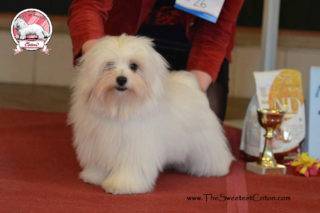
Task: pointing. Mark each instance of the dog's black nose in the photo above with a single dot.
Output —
(121, 80)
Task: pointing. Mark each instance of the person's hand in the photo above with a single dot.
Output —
(88, 44)
(204, 79)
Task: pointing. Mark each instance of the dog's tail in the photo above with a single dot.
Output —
(45, 34)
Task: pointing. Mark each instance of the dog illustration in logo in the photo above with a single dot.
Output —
(25, 29)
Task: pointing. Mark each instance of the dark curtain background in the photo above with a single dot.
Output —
(295, 14)
(57, 7)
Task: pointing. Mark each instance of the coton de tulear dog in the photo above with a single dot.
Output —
(132, 118)
(32, 29)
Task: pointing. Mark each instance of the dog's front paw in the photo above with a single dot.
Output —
(125, 185)
(22, 36)
(93, 176)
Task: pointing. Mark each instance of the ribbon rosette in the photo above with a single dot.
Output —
(45, 50)
(17, 50)
(306, 165)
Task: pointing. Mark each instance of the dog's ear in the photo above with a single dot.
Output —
(147, 40)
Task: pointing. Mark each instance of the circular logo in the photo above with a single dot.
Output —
(31, 29)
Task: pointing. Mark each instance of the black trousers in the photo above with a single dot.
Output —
(175, 48)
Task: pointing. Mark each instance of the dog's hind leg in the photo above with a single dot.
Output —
(210, 155)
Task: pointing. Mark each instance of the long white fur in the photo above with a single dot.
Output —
(123, 143)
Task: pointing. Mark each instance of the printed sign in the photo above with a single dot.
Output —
(312, 144)
(31, 29)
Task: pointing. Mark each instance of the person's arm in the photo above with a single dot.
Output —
(86, 22)
(210, 43)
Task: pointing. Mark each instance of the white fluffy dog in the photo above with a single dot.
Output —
(32, 29)
(132, 118)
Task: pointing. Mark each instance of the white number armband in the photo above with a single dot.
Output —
(205, 9)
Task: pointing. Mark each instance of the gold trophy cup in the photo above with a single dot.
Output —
(270, 120)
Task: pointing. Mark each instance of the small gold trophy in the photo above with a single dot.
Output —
(270, 120)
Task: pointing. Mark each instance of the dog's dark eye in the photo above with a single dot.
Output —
(134, 67)
(109, 65)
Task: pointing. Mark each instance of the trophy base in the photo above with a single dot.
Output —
(258, 169)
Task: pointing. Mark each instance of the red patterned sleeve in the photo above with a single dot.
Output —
(211, 41)
(86, 21)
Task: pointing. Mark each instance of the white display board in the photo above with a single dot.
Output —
(312, 143)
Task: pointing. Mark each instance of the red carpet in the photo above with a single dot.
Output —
(38, 173)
